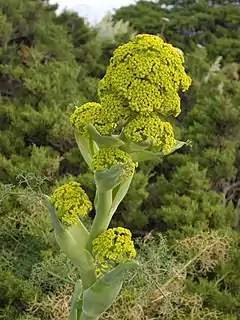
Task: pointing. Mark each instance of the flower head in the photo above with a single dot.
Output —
(115, 107)
(95, 114)
(105, 158)
(71, 202)
(114, 245)
(145, 74)
(152, 129)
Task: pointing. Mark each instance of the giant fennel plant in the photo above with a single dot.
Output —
(129, 125)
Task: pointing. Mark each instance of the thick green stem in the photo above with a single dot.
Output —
(100, 224)
(79, 315)
(88, 277)
(102, 218)
(86, 317)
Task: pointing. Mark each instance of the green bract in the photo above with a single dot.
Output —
(71, 202)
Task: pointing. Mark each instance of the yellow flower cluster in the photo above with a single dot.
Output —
(115, 104)
(143, 79)
(105, 158)
(71, 202)
(114, 245)
(146, 75)
(93, 113)
(158, 133)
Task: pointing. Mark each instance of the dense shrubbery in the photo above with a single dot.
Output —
(191, 196)
(187, 23)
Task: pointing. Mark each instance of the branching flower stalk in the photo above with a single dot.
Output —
(129, 125)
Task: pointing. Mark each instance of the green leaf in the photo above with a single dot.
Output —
(109, 179)
(132, 147)
(76, 301)
(178, 145)
(57, 225)
(121, 191)
(72, 240)
(104, 141)
(96, 199)
(86, 148)
(145, 155)
(99, 297)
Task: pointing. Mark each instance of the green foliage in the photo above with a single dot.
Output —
(186, 202)
(48, 65)
(130, 213)
(188, 23)
(32, 50)
(49, 274)
(160, 287)
(213, 297)
(16, 295)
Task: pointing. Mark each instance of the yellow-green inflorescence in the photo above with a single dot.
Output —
(113, 246)
(105, 158)
(142, 80)
(146, 74)
(71, 203)
(93, 113)
(158, 133)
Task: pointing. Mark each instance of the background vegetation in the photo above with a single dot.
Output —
(184, 211)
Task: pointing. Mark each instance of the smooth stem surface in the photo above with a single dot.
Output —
(86, 317)
(100, 224)
(102, 218)
(79, 315)
(88, 278)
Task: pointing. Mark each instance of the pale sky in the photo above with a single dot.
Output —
(94, 10)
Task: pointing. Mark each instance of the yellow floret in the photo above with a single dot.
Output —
(144, 73)
(116, 107)
(105, 158)
(93, 113)
(144, 97)
(152, 129)
(113, 245)
(170, 104)
(144, 42)
(71, 202)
